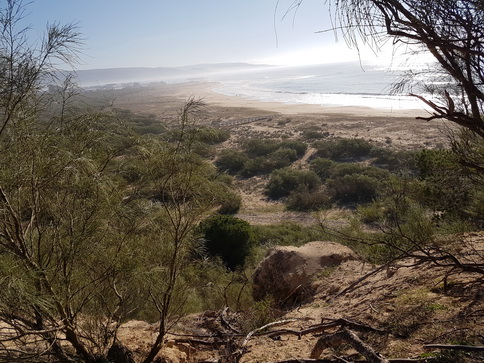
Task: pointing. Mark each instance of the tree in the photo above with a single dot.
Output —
(64, 233)
(229, 238)
(24, 66)
(82, 249)
(182, 193)
(451, 30)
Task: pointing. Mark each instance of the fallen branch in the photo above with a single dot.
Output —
(275, 323)
(468, 348)
(325, 326)
(345, 336)
(391, 360)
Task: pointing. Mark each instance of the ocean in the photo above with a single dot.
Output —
(343, 84)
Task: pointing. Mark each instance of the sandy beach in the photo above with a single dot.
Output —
(207, 91)
(394, 128)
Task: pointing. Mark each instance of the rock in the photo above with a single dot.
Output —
(287, 272)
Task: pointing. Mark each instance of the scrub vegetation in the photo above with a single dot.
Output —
(108, 216)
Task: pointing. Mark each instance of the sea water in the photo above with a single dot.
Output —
(342, 84)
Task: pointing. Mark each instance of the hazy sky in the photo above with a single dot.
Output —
(157, 33)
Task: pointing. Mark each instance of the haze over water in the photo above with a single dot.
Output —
(341, 84)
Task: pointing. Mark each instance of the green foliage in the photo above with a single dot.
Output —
(140, 123)
(231, 161)
(353, 188)
(286, 234)
(211, 135)
(260, 157)
(230, 201)
(228, 238)
(445, 186)
(278, 159)
(394, 161)
(304, 200)
(298, 146)
(312, 135)
(352, 183)
(343, 149)
(284, 181)
(260, 147)
(323, 167)
(204, 135)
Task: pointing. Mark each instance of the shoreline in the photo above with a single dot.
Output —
(207, 92)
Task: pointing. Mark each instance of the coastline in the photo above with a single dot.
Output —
(207, 92)
(394, 128)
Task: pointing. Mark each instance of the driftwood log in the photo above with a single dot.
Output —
(345, 336)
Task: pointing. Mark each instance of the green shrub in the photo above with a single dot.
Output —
(298, 146)
(286, 234)
(211, 135)
(371, 213)
(283, 155)
(231, 161)
(444, 186)
(260, 157)
(263, 165)
(322, 167)
(304, 200)
(284, 181)
(205, 135)
(343, 149)
(230, 202)
(260, 147)
(141, 123)
(394, 161)
(228, 238)
(314, 134)
(353, 188)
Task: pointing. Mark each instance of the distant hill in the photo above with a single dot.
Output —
(120, 76)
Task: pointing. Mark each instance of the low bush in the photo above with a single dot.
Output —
(229, 200)
(260, 147)
(445, 186)
(394, 161)
(278, 159)
(322, 167)
(260, 157)
(286, 234)
(342, 169)
(211, 135)
(343, 149)
(304, 200)
(353, 188)
(229, 238)
(286, 180)
(314, 135)
(298, 146)
(231, 161)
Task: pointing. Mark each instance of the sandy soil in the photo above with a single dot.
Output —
(410, 304)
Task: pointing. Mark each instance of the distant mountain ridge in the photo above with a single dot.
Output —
(119, 76)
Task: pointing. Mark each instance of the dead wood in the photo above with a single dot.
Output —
(325, 326)
(345, 336)
(339, 360)
(468, 348)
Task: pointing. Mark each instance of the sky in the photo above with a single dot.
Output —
(170, 33)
